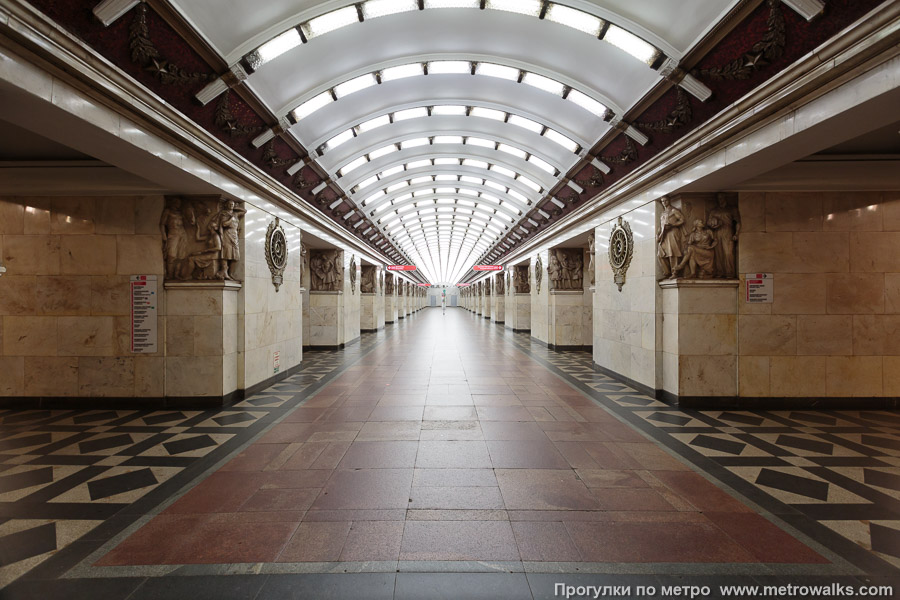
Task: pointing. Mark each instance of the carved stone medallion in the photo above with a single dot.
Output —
(276, 252)
(538, 273)
(621, 250)
(352, 274)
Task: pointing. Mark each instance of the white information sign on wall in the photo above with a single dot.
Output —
(144, 311)
(760, 288)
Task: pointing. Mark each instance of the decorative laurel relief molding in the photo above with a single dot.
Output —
(273, 161)
(768, 48)
(621, 250)
(680, 116)
(627, 155)
(352, 274)
(276, 252)
(144, 52)
(228, 123)
(538, 273)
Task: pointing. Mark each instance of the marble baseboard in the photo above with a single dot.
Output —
(521, 331)
(149, 403)
(779, 402)
(756, 403)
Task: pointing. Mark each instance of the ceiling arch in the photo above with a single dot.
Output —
(343, 77)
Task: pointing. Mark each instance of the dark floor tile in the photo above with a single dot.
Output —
(165, 418)
(95, 417)
(885, 539)
(105, 443)
(801, 443)
(224, 587)
(72, 589)
(119, 484)
(462, 586)
(25, 441)
(25, 544)
(25, 479)
(804, 486)
(371, 586)
(189, 444)
(234, 419)
(716, 443)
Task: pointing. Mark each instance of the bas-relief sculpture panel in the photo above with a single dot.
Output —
(201, 238)
(566, 269)
(697, 237)
(368, 279)
(326, 270)
(522, 282)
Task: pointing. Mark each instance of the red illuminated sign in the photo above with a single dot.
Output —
(463, 284)
(488, 268)
(401, 268)
(423, 284)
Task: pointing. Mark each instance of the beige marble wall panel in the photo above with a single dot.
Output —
(139, 255)
(753, 376)
(799, 293)
(111, 376)
(824, 335)
(149, 376)
(30, 336)
(31, 254)
(367, 312)
(855, 293)
(854, 376)
(766, 252)
(88, 255)
(891, 370)
(64, 381)
(794, 211)
(891, 209)
(73, 215)
(797, 376)
(767, 335)
(110, 295)
(12, 216)
(195, 302)
(17, 295)
(587, 318)
(12, 375)
(115, 215)
(853, 211)
(86, 336)
(753, 211)
(713, 335)
(707, 375)
(819, 253)
(704, 301)
(523, 311)
(876, 335)
(874, 252)
(566, 316)
(193, 376)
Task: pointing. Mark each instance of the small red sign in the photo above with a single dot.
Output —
(488, 267)
(423, 284)
(401, 268)
(463, 284)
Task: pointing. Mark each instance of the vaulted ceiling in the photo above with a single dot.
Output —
(447, 133)
(446, 121)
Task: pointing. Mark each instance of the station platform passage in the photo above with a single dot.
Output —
(443, 457)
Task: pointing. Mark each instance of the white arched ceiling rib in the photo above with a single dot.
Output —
(540, 178)
(531, 163)
(507, 215)
(452, 117)
(312, 22)
(426, 158)
(502, 181)
(479, 194)
(509, 76)
(446, 90)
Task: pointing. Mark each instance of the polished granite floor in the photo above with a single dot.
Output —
(445, 457)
